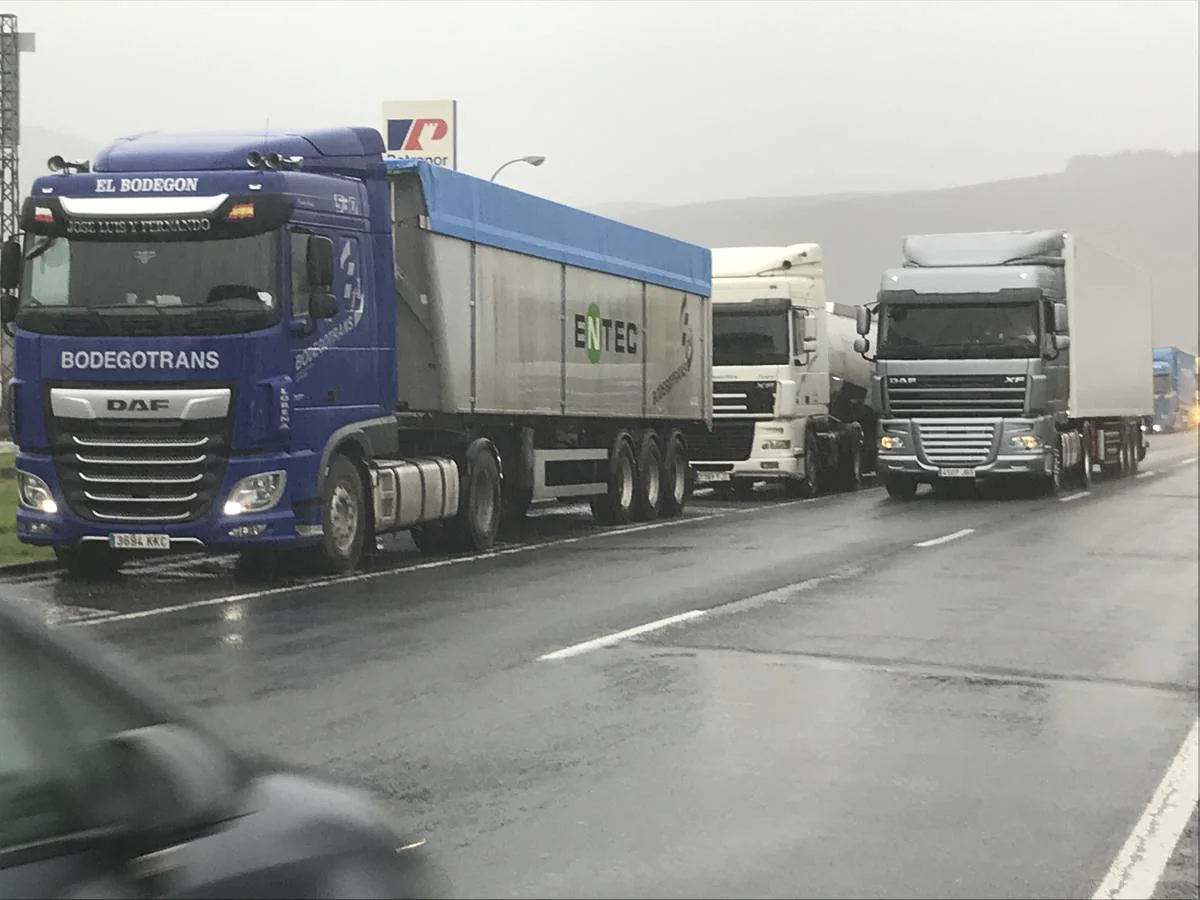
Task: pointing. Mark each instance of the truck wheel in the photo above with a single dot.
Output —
(850, 477)
(900, 487)
(675, 476)
(1085, 466)
(813, 481)
(648, 500)
(616, 506)
(88, 561)
(343, 517)
(475, 527)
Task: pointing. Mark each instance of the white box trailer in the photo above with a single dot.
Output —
(1010, 354)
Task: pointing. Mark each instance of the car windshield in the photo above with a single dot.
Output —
(147, 288)
(744, 338)
(953, 330)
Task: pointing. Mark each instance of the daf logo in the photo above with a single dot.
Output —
(115, 404)
(902, 379)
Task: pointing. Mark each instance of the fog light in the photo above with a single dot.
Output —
(242, 531)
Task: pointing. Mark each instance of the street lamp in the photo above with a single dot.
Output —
(532, 160)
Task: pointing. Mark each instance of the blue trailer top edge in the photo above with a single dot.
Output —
(463, 206)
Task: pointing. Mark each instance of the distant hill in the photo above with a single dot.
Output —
(1142, 205)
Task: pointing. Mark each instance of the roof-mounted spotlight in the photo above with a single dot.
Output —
(59, 165)
(275, 162)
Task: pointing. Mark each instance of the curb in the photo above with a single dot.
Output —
(34, 567)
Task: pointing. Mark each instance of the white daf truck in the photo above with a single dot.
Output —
(789, 392)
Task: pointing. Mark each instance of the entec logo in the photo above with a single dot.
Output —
(406, 135)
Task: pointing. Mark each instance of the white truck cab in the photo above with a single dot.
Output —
(782, 361)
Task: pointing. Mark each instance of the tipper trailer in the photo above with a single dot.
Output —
(237, 343)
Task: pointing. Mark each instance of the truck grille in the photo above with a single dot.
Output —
(957, 443)
(120, 471)
(743, 399)
(727, 442)
(909, 396)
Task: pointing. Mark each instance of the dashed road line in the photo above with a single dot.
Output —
(1077, 496)
(945, 538)
(617, 636)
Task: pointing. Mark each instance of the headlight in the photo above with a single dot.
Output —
(1157, 427)
(256, 493)
(35, 493)
(776, 444)
(891, 442)
(1025, 441)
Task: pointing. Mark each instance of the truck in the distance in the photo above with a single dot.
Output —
(1175, 400)
(235, 343)
(1017, 354)
(788, 389)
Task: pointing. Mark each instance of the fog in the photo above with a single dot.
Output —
(658, 102)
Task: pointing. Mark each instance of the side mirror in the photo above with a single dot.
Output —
(319, 261)
(8, 308)
(322, 305)
(12, 264)
(163, 779)
(862, 320)
(861, 345)
(1061, 342)
(1060, 324)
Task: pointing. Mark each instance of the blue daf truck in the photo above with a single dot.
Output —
(262, 345)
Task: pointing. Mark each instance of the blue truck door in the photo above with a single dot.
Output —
(332, 356)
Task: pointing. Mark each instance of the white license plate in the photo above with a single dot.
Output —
(710, 477)
(139, 541)
(956, 473)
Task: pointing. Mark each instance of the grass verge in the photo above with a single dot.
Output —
(11, 550)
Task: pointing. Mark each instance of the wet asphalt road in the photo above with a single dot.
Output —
(838, 713)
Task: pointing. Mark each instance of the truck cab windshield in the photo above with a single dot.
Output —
(953, 330)
(91, 287)
(744, 337)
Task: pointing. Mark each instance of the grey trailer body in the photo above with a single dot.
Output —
(1010, 354)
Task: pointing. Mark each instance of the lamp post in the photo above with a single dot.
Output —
(531, 160)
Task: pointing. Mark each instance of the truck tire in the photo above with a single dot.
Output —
(480, 507)
(812, 483)
(900, 487)
(88, 561)
(675, 476)
(1085, 465)
(343, 517)
(648, 499)
(850, 470)
(615, 507)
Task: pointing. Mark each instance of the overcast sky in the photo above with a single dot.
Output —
(667, 102)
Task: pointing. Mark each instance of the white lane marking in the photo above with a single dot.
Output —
(1078, 496)
(434, 564)
(1146, 474)
(1185, 462)
(1140, 864)
(617, 636)
(945, 538)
